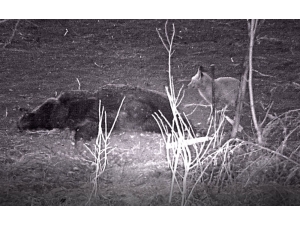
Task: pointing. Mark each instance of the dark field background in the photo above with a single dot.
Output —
(47, 57)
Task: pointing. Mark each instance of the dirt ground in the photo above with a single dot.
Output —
(47, 57)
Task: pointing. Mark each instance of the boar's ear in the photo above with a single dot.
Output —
(24, 110)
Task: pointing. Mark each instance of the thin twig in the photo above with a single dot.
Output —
(3, 21)
(162, 40)
(166, 33)
(79, 85)
(28, 21)
(296, 84)
(267, 114)
(12, 35)
(262, 74)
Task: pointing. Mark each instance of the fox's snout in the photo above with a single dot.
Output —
(191, 84)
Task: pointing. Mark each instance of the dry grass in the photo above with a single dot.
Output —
(258, 175)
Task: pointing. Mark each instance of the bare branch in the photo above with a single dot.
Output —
(162, 40)
(166, 32)
(173, 34)
(262, 74)
(28, 21)
(3, 21)
(12, 35)
(267, 113)
(257, 126)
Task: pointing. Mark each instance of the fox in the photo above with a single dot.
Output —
(226, 88)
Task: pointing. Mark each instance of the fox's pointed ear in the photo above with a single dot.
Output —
(200, 70)
(197, 75)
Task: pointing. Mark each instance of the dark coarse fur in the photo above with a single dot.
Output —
(39, 117)
(79, 111)
(57, 112)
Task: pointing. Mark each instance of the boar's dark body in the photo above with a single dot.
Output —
(79, 111)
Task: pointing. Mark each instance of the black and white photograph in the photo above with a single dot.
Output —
(149, 112)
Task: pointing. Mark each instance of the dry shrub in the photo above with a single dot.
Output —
(246, 173)
(283, 132)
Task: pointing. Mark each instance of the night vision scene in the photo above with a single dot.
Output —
(112, 112)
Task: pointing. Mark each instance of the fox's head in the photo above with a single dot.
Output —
(196, 79)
